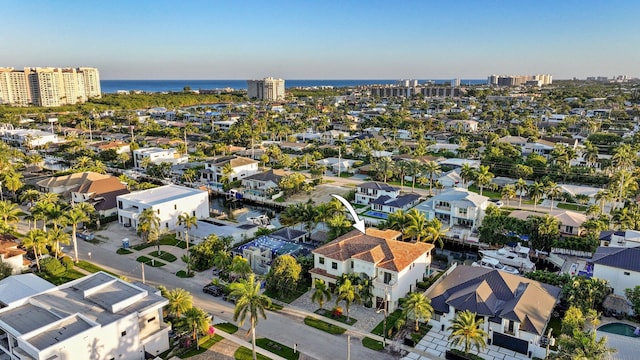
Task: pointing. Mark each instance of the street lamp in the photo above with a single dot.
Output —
(384, 322)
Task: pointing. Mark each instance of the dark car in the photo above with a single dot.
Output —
(212, 290)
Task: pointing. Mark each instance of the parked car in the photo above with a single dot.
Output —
(85, 235)
(212, 290)
(496, 202)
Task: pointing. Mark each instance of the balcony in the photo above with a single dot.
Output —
(443, 208)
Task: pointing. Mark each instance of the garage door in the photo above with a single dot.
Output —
(510, 342)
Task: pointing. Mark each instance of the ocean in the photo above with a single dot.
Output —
(112, 86)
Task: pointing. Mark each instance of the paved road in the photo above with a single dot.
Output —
(284, 327)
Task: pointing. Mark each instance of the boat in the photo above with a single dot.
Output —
(517, 256)
(262, 221)
(493, 264)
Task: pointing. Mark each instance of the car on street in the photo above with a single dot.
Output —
(85, 235)
(212, 290)
(496, 202)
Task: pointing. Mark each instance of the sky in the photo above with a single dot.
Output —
(324, 39)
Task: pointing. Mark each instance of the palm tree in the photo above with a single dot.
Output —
(249, 302)
(30, 196)
(147, 221)
(417, 226)
(39, 212)
(198, 321)
(180, 301)
(467, 173)
(467, 329)
(399, 220)
(521, 188)
(56, 214)
(240, 267)
(431, 168)
(346, 292)
(74, 217)
(536, 190)
(227, 175)
(413, 169)
(50, 198)
(13, 182)
(222, 259)
(417, 305)
(402, 168)
(321, 293)
(435, 232)
(508, 192)
(553, 191)
(483, 177)
(10, 214)
(384, 166)
(36, 239)
(188, 221)
(57, 236)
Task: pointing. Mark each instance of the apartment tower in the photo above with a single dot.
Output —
(266, 89)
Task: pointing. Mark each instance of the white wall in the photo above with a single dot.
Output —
(617, 278)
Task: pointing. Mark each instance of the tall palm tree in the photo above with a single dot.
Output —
(30, 196)
(10, 214)
(552, 190)
(384, 166)
(198, 321)
(56, 214)
(222, 259)
(435, 232)
(321, 293)
(402, 169)
(521, 188)
(536, 190)
(49, 197)
(466, 329)
(36, 239)
(249, 302)
(347, 292)
(419, 306)
(74, 217)
(398, 220)
(483, 177)
(431, 168)
(418, 224)
(147, 221)
(180, 301)
(508, 192)
(240, 267)
(57, 236)
(13, 182)
(414, 167)
(467, 173)
(188, 221)
(227, 175)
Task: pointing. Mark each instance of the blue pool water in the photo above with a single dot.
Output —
(619, 328)
(377, 214)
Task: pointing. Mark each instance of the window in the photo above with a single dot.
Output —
(166, 225)
(175, 207)
(193, 213)
(119, 204)
(321, 260)
(462, 211)
(158, 211)
(387, 278)
(627, 273)
(334, 265)
(123, 333)
(152, 319)
(352, 264)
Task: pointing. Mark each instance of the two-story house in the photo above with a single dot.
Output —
(516, 310)
(95, 317)
(262, 185)
(570, 221)
(619, 266)
(157, 156)
(390, 205)
(458, 209)
(232, 167)
(168, 202)
(395, 267)
(367, 192)
(11, 255)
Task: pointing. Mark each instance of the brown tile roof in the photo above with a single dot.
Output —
(71, 180)
(9, 248)
(377, 247)
(101, 186)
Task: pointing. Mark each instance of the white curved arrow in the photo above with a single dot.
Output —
(359, 224)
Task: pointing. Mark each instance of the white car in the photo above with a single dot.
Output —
(496, 202)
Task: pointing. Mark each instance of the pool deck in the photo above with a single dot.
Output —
(627, 346)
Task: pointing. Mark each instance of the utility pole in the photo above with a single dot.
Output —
(142, 266)
(348, 347)
(549, 343)
(186, 150)
(339, 160)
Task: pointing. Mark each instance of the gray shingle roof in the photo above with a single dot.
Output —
(622, 258)
(377, 186)
(398, 202)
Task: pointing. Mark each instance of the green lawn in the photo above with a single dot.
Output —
(229, 328)
(277, 348)
(150, 262)
(372, 344)
(65, 277)
(324, 326)
(169, 240)
(245, 354)
(486, 192)
(122, 251)
(342, 318)
(93, 268)
(574, 207)
(166, 256)
(183, 274)
(391, 323)
(205, 344)
(287, 297)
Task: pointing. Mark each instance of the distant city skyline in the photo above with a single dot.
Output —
(331, 39)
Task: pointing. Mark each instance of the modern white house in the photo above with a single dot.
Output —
(240, 168)
(95, 317)
(157, 156)
(11, 255)
(390, 205)
(28, 138)
(168, 202)
(458, 209)
(367, 192)
(17, 287)
(395, 267)
(626, 238)
(516, 310)
(619, 266)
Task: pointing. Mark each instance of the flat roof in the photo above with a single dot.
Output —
(114, 293)
(27, 318)
(161, 194)
(64, 330)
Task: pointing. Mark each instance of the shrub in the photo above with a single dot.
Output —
(336, 311)
(67, 262)
(52, 266)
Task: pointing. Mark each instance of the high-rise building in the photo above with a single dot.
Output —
(266, 89)
(517, 80)
(48, 86)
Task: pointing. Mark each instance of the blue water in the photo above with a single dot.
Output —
(377, 214)
(112, 86)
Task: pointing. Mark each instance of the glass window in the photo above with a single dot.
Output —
(334, 265)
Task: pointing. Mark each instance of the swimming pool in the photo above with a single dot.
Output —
(619, 328)
(377, 214)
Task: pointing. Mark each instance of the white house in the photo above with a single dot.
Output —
(240, 168)
(27, 137)
(450, 179)
(462, 125)
(395, 267)
(619, 266)
(367, 192)
(626, 238)
(390, 205)
(17, 287)
(95, 317)
(157, 156)
(516, 310)
(11, 255)
(168, 202)
(458, 209)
